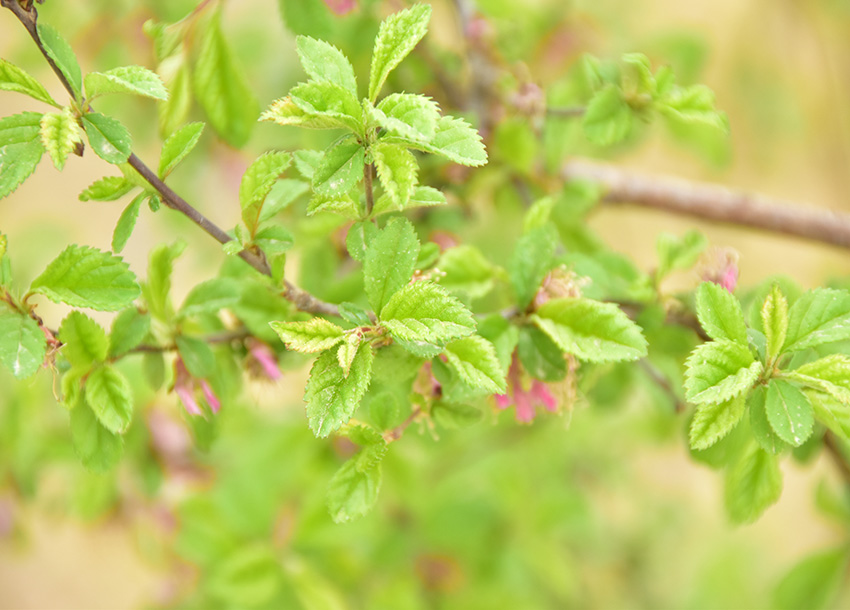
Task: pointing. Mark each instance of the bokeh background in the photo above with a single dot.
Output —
(603, 507)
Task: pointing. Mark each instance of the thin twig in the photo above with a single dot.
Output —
(397, 432)
(302, 300)
(662, 382)
(226, 336)
(367, 184)
(713, 202)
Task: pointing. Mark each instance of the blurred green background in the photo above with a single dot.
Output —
(600, 508)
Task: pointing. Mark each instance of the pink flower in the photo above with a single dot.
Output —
(186, 386)
(720, 265)
(262, 361)
(341, 7)
(526, 401)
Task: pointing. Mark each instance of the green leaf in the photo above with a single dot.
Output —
(412, 117)
(720, 313)
(590, 330)
(389, 263)
(340, 169)
(719, 370)
(819, 316)
(98, 448)
(397, 37)
(60, 52)
(283, 193)
(694, 104)
(354, 314)
(678, 253)
(397, 171)
(324, 62)
(830, 374)
(59, 135)
(85, 277)
(306, 161)
(111, 398)
(257, 183)
(126, 223)
(789, 412)
(831, 413)
(332, 397)
(309, 17)
(22, 344)
(210, 297)
(327, 102)
(257, 306)
(813, 583)
(753, 483)
(335, 204)
(774, 316)
(129, 329)
(287, 113)
(608, 117)
(358, 238)
(714, 421)
(178, 146)
(249, 576)
(173, 112)
(760, 426)
(532, 259)
(466, 271)
(457, 141)
(109, 139)
(453, 415)
(315, 335)
(135, 80)
(12, 78)
(20, 128)
(540, 356)
(85, 342)
(424, 313)
(475, 361)
(197, 355)
(353, 491)
(108, 188)
(221, 87)
(17, 163)
(347, 351)
(158, 285)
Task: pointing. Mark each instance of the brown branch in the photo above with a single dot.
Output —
(713, 202)
(226, 336)
(367, 185)
(397, 432)
(661, 380)
(302, 300)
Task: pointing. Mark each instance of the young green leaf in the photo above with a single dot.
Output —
(129, 329)
(85, 342)
(590, 330)
(111, 398)
(532, 259)
(774, 316)
(714, 421)
(608, 118)
(457, 141)
(347, 351)
(20, 128)
(60, 52)
(830, 375)
(98, 448)
(327, 101)
(22, 344)
(338, 204)
(814, 582)
(397, 171)
(197, 355)
(760, 426)
(85, 277)
(248, 576)
(126, 223)
(135, 80)
(108, 188)
(539, 355)
(332, 397)
(423, 312)
(324, 62)
(678, 253)
(389, 263)
(210, 296)
(694, 104)
(108, 138)
(173, 112)
(287, 113)
(720, 313)
(340, 169)
(158, 285)
(178, 146)
(753, 483)
(358, 238)
(789, 412)
(719, 370)
(306, 162)
(819, 316)
(466, 271)
(59, 135)
(412, 117)
(257, 183)
(222, 88)
(12, 78)
(353, 490)
(475, 361)
(284, 192)
(397, 36)
(353, 313)
(17, 163)
(316, 335)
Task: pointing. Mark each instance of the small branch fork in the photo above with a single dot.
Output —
(28, 16)
(713, 202)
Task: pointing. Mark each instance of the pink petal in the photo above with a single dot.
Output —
(209, 395)
(187, 397)
(540, 394)
(341, 7)
(503, 401)
(264, 355)
(524, 407)
(729, 278)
